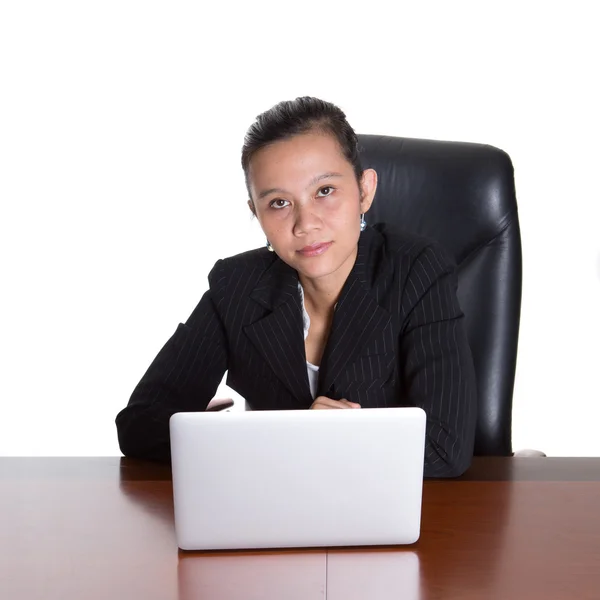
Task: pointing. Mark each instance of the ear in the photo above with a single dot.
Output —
(251, 206)
(368, 186)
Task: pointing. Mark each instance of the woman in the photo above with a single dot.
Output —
(333, 314)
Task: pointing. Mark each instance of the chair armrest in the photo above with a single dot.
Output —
(528, 454)
(219, 404)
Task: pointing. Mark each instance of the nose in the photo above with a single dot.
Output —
(306, 219)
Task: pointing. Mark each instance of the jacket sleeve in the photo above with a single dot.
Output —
(183, 377)
(436, 364)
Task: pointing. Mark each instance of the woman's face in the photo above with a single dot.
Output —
(308, 203)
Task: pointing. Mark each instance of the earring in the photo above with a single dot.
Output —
(269, 247)
(363, 224)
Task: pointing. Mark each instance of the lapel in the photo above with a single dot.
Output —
(279, 336)
(357, 318)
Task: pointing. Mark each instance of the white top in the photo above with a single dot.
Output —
(312, 370)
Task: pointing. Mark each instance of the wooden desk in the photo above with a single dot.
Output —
(90, 528)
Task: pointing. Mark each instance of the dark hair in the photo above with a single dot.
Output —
(293, 117)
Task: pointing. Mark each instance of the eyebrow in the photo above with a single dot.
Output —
(316, 179)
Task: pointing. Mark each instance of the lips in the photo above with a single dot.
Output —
(315, 249)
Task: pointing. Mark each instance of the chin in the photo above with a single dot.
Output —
(316, 271)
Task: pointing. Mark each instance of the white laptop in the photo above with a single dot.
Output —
(291, 479)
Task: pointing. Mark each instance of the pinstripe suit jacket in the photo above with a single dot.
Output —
(397, 339)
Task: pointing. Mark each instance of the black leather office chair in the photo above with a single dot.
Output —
(463, 196)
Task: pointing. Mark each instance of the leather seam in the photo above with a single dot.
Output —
(511, 218)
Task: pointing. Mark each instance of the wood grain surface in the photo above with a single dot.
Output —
(91, 528)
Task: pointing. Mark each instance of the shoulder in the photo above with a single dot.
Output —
(245, 267)
(394, 249)
(407, 267)
(260, 258)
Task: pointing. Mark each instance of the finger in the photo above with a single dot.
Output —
(349, 404)
(323, 402)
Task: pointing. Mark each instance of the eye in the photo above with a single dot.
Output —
(326, 191)
(279, 203)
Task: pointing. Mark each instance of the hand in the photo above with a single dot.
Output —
(323, 402)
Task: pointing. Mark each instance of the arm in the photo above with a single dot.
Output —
(183, 377)
(437, 365)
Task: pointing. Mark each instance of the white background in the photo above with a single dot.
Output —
(121, 125)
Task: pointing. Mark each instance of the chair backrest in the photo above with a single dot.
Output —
(463, 196)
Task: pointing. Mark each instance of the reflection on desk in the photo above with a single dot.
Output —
(343, 575)
(377, 574)
(252, 575)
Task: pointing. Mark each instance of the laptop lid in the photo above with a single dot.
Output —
(307, 478)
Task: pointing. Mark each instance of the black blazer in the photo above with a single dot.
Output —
(397, 339)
